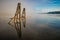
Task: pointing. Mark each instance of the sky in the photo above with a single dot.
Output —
(32, 6)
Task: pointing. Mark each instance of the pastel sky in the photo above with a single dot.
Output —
(32, 6)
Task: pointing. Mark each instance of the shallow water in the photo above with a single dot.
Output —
(38, 27)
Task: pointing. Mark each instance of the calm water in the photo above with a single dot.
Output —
(38, 27)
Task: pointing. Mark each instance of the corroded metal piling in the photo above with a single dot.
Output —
(19, 19)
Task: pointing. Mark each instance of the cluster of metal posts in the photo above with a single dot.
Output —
(19, 19)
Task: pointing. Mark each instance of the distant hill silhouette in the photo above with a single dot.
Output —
(55, 12)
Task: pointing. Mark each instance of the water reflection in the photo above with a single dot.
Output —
(18, 26)
(40, 28)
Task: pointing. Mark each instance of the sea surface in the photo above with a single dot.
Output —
(38, 27)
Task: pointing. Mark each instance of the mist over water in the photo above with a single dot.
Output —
(38, 27)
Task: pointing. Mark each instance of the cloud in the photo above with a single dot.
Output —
(32, 6)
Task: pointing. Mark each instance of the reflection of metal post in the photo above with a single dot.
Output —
(19, 30)
(17, 26)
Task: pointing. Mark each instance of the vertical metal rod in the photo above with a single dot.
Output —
(24, 17)
(19, 20)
